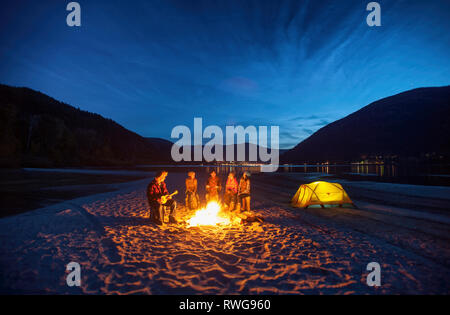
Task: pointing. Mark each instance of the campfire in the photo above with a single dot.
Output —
(212, 215)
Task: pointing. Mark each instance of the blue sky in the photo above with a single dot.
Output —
(152, 65)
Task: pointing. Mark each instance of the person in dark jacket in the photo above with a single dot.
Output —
(213, 187)
(244, 191)
(157, 193)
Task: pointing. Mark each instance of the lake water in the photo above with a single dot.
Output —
(436, 174)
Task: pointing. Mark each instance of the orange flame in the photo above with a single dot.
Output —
(211, 215)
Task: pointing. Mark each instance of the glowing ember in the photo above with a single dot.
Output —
(211, 216)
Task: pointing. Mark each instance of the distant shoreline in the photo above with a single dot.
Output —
(27, 189)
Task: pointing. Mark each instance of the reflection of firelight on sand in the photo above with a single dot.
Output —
(211, 215)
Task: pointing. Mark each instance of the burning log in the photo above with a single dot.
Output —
(213, 215)
(249, 217)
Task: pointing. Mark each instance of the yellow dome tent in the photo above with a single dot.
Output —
(320, 193)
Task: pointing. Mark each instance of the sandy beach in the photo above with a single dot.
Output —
(294, 251)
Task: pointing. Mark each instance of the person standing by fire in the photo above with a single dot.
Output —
(192, 199)
(213, 187)
(159, 199)
(231, 190)
(244, 191)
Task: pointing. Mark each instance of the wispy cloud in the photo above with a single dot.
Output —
(151, 65)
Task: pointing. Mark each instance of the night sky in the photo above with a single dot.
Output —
(152, 65)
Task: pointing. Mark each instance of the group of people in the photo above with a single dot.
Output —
(235, 197)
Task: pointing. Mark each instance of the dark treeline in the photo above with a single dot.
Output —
(37, 130)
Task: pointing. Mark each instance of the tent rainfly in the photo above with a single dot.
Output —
(320, 193)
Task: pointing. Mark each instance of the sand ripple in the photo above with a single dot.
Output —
(122, 253)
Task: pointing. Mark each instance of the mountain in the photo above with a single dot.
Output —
(37, 130)
(414, 123)
(162, 146)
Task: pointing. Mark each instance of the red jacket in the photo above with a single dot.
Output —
(232, 185)
(213, 185)
(155, 191)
